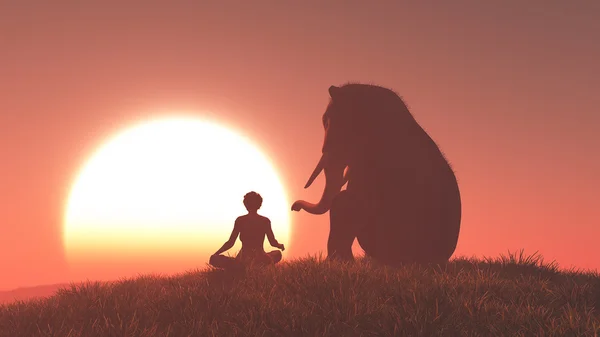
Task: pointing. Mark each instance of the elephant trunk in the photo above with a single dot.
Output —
(334, 180)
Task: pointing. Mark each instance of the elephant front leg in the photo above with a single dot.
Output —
(344, 221)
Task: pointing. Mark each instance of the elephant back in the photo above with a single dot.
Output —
(410, 187)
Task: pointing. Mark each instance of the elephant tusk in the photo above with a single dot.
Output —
(318, 169)
(346, 175)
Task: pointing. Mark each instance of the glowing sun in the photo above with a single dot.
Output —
(169, 188)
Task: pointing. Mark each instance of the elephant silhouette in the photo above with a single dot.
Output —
(402, 202)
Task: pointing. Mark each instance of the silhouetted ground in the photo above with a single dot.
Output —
(508, 296)
(27, 293)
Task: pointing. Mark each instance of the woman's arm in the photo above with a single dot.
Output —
(272, 241)
(232, 238)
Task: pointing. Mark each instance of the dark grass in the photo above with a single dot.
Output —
(514, 295)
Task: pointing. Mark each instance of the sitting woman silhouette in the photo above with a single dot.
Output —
(252, 229)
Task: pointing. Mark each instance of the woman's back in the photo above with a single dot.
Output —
(253, 229)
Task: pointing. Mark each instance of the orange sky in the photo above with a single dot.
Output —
(509, 92)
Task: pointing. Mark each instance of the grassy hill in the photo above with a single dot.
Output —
(27, 293)
(508, 296)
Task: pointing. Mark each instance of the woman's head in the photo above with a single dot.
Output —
(252, 201)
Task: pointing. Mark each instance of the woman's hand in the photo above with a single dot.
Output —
(281, 246)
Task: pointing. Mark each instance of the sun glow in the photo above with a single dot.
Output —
(169, 188)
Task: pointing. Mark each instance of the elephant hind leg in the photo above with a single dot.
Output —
(391, 245)
(395, 249)
(379, 248)
(343, 223)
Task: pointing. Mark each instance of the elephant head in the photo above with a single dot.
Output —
(338, 146)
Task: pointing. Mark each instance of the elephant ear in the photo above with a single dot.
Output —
(334, 91)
